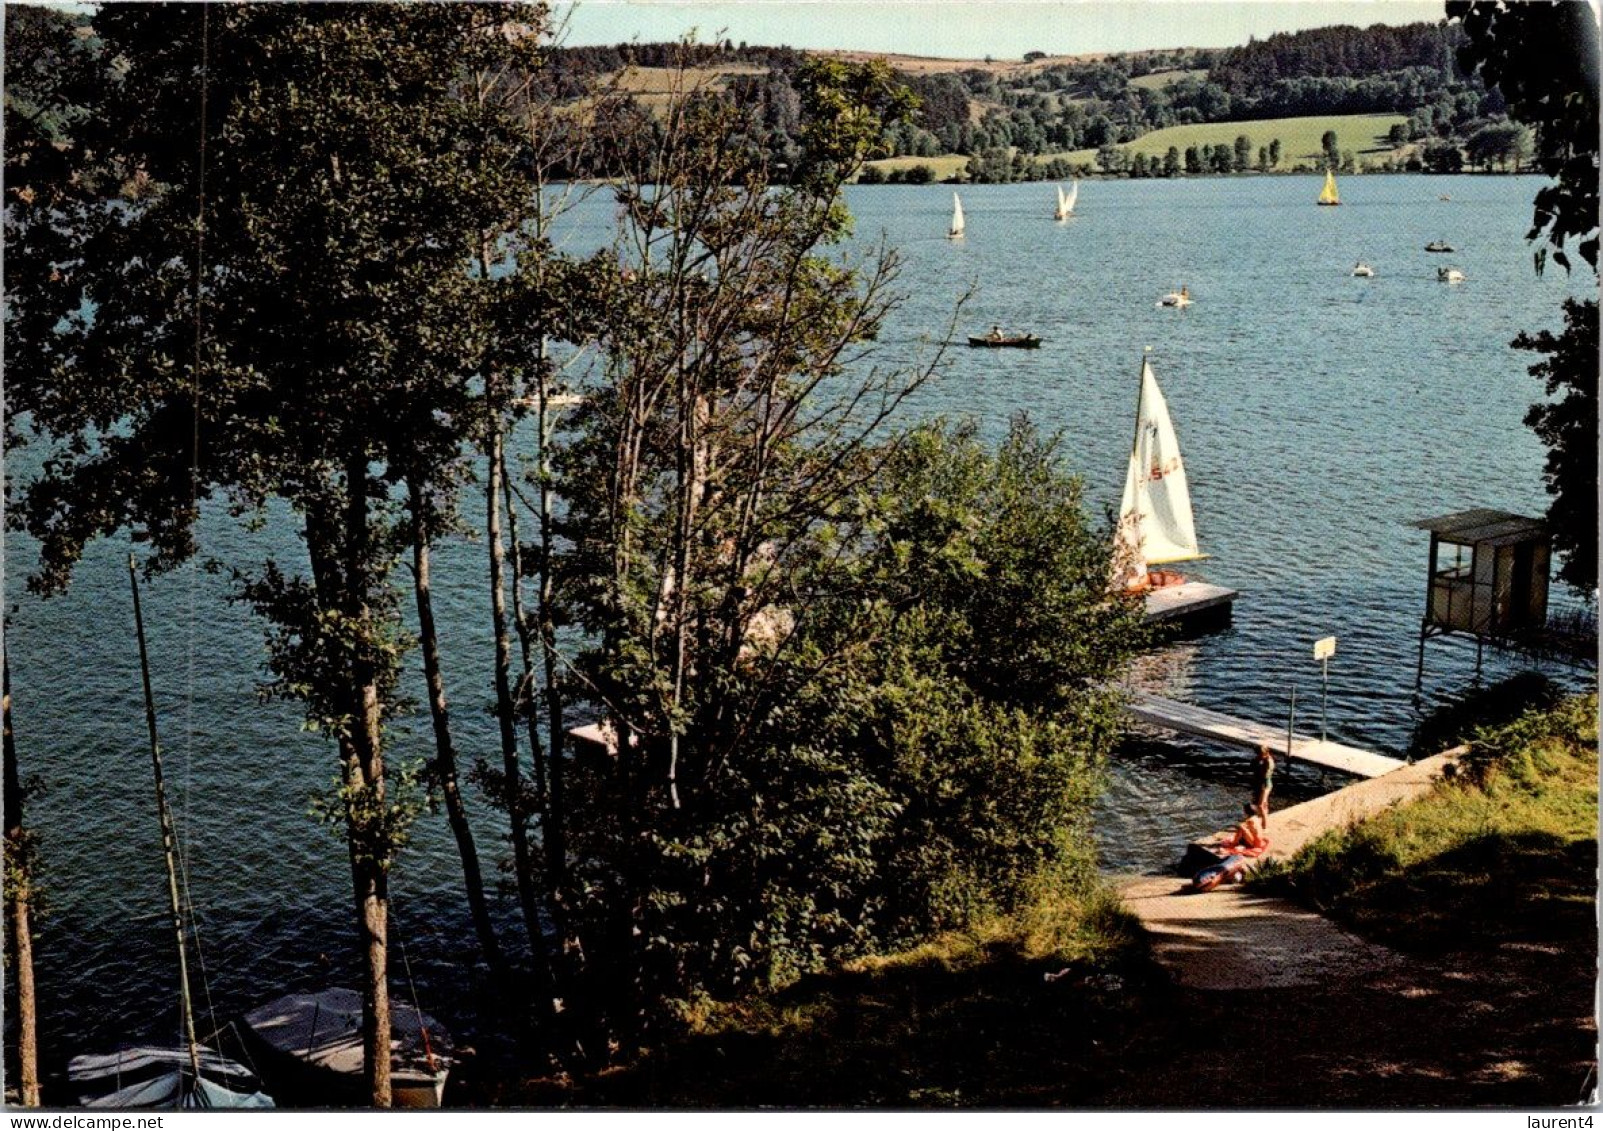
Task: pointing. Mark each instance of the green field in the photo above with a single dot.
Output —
(944, 166)
(1157, 80)
(1364, 134)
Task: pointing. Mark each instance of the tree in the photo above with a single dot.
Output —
(1568, 426)
(1110, 157)
(871, 175)
(1171, 162)
(1193, 161)
(1274, 152)
(1543, 58)
(284, 315)
(808, 631)
(1329, 144)
(20, 851)
(1441, 156)
(1243, 154)
(1500, 142)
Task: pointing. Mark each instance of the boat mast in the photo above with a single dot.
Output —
(168, 840)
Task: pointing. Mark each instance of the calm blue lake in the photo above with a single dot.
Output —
(1318, 414)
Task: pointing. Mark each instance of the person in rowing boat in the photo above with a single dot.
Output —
(1263, 780)
(996, 333)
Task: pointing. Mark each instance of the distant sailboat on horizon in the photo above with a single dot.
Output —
(1329, 195)
(1066, 201)
(956, 230)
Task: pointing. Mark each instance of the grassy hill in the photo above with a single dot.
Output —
(1364, 134)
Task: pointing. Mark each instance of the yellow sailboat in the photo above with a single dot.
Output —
(1330, 195)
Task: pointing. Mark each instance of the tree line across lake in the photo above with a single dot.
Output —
(1020, 123)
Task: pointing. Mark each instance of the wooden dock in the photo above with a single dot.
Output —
(1188, 719)
(1179, 602)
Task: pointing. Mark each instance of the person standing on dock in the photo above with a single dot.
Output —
(1263, 780)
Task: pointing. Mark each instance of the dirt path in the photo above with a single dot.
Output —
(1335, 1020)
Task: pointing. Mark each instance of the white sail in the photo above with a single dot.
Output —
(1155, 522)
(956, 232)
(1062, 212)
(1069, 201)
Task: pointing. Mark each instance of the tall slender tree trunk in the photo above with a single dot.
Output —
(362, 750)
(445, 752)
(554, 828)
(522, 858)
(18, 877)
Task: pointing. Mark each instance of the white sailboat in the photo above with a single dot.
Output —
(188, 1075)
(1156, 526)
(956, 230)
(1066, 201)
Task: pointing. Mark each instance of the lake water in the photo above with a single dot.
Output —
(1319, 414)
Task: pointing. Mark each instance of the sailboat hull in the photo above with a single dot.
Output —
(310, 1046)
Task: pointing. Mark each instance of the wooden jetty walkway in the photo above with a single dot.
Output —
(1188, 719)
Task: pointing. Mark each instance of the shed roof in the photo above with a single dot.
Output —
(1483, 524)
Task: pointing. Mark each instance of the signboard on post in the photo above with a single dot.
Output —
(1324, 648)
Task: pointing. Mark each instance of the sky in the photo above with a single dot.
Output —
(971, 29)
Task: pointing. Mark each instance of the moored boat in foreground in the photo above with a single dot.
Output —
(151, 1076)
(310, 1045)
(186, 1075)
(1362, 270)
(1438, 246)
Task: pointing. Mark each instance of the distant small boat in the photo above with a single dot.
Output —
(313, 1043)
(1438, 245)
(1449, 275)
(996, 342)
(1179, 298)
(1444, 196)
(1329, 195)
(955, 232)
(1363, 270)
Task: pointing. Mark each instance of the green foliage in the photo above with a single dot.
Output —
(1543, 58)
(1567, 423)
(1480, 708)
(375, 822)
(1504, 850)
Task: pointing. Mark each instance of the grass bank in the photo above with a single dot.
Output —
(965, 1020)
(1505, 851)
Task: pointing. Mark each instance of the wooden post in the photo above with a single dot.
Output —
(1291, 721)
